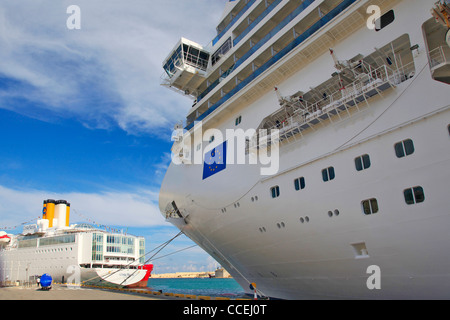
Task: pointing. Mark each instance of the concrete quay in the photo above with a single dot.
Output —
(67, 292)
(64, 292)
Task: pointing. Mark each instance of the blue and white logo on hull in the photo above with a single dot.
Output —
(215, 161)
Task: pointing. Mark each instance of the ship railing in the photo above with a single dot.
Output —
(195, 61)
(180, 61)
(439, 56)
(308, 114)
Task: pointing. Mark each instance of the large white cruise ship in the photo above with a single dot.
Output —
(314, 162)
(74, 254)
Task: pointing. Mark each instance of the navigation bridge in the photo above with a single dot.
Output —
(185, 67)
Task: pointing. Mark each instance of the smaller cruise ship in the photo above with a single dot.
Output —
(78, 253)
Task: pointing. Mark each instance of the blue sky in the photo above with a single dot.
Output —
(83, 116)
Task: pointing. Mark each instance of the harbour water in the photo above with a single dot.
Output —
(214, 287)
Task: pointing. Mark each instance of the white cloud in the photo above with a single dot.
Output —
(106, 73)
(112, 208)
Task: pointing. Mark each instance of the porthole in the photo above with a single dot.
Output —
(275, 191)
(370, 206)
(362, 162)
(414, 195)
(328, 174)
(404, 148)
(299, 184)
(238, 120)
(305, 219)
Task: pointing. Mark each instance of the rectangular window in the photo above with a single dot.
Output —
(275, 191)
(404, 148)
(414, 195)
(328, 174)
(299, 183)
(385, 20)
(370, 206)
(362, 163)
(57, 240)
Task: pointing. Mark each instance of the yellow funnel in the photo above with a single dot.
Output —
(50, 212)
(67, 214)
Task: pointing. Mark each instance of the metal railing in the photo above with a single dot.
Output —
(283, 52)
(438, 56)
(181, 59)
(307, 114)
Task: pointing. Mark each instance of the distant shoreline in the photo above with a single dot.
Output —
(186, 275)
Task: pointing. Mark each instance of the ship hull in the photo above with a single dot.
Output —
(112, 277)
(316, 259)
(144, 282)
(318, 242)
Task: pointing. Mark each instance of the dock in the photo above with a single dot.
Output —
(66, 292)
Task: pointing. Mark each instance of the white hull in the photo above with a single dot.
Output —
(266, 242)
(119, 277)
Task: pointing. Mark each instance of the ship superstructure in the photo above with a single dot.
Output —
(317, 147)
(71, 253)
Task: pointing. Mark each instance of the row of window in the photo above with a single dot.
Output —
(120, 240)
(412, 196)
(402, 149)
(70, 238)
(120, 249)
(54, 250)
